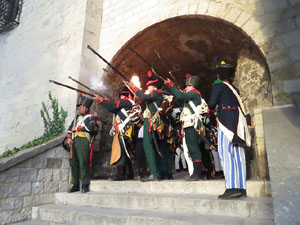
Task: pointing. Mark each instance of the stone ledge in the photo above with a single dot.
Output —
(23, 155)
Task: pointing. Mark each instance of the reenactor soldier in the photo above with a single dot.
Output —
(79, 137)
(233, 134)
(121, 152)
(192, 125)
(156, 149)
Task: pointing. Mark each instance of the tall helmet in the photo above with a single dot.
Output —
(225, 70)
(153, 80)
(191, 80)
(85, 101)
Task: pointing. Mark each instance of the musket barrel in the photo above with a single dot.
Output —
(146, 62)
(67, 86)
(95, 92)
(115, 69)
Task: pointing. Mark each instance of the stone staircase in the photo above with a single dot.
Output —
(174, 202)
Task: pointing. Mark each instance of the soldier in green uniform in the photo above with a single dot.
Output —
(191, 122)
(120, 156)
(81, 129)
(153, 126)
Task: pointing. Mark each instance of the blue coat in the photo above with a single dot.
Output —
(228, 114)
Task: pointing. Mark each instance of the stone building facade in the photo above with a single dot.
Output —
(261, 36)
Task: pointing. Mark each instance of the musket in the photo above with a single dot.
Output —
(75, 89)
(146, 62)
(115, 69)
(95, 92)
(169, 71)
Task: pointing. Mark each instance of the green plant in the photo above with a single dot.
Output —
(52, 127)
(56, 125)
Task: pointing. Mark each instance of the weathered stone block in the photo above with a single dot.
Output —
(271, 5)
(259, 131)
(27, 201)
(10, 175)
(4, 190)
(45, 175)
(295, 53)
(291, 38)
(60, 152)
(65, 164)
(51, 187)
(37, 187)
(64, 174)
(43, 199)
(19, 189)
(28, 175)
(50, 153)
(13, 203)
(63, 186)
(258, 119)
(39, 161)
(260, 146)
(53, 163)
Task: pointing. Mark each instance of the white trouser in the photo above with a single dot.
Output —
(217, 161)
(233, 162)
(179, 156)
(187, 157)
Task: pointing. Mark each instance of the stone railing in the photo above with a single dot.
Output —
(31, 178)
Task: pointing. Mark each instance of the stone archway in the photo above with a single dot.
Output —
(194, 44)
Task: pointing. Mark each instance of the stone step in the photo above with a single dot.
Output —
(38, 222)
(204, 187)
(89, 215)
(177, 203)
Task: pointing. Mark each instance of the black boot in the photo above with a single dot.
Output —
(197, 174)
(244, 192)
(231, 193)
(120, 174)
(74, 188)
(85, 188)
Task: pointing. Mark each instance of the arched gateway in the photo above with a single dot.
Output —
(194, 44)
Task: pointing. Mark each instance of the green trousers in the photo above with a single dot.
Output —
(165, 162)
(192, 142)
(80, 161)
(150, 151)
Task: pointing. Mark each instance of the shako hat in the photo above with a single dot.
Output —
(124, 91)
(225, 70)
(85, 101)
(191, 80)
(153, 80)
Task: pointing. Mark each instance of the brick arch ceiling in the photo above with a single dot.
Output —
(187, 44)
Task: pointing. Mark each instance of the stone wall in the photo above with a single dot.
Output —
(31, 178)
(46, 45)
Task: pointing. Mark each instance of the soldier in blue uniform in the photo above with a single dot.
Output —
(233, 134)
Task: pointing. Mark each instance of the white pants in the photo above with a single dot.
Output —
(179, 156)
(233, 162)
(188, 159)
